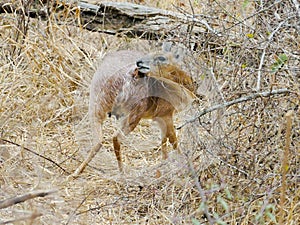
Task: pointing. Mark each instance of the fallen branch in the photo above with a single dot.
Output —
(37, 154)
(15, 200)
(233, 102)
(116, 18)
(14, 221)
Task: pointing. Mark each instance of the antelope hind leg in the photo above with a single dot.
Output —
(91, 155)
(167, 133)
(117, 150)
(128, 125)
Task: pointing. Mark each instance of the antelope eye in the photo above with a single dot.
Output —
(161, 58)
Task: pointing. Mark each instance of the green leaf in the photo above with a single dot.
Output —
(280, 61)
(202, 76)
(228, 194)
(218, 219)
(223, 203)
(249, 35)
(270, 207)
(196, 2)
(195, 221)
(202, 206)
(245, 4)
(271, 216)
(283, 57)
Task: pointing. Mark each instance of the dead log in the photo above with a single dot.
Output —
(137, 20)
(116, 18)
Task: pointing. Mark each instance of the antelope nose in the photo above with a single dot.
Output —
(139, 63)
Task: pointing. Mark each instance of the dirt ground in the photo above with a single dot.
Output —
(239, 164)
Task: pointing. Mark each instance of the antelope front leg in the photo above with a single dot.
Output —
(173, 140)
(168, 132)
(117, 149)
(171, 134)
(164, 146)
(163, 125)
(128, 125)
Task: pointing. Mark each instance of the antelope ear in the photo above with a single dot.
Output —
(167, 46)
(177, 50)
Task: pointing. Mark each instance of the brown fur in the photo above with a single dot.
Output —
(174, 73)
(133, 96)
(159, 108)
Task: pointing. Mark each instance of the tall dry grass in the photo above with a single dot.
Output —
(233, 170)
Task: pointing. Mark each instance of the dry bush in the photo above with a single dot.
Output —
(233, 169)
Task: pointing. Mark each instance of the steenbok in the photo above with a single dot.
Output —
(133, 86)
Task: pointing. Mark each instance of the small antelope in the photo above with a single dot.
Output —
(132, 87)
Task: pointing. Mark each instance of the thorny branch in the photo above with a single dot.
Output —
(15, 200)
(22, 219)
(297, 6)
(235, 101)
(201, 192)
(37, 154)
(285, 164)
(262, 59)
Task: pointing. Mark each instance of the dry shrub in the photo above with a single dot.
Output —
(231, 170)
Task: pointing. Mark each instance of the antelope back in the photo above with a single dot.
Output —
(115, 64)
(109, 79)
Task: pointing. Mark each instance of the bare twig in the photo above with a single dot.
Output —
(15, 200)
(233, 102)
(113, 203)
(37, 154)
(261, 11)
(232, 166)
(212, 74)
(262, 58)
(201, 192)
(81, 203)
(297, 6)
(285, 163)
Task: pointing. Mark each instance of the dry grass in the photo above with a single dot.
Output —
(232, 167)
